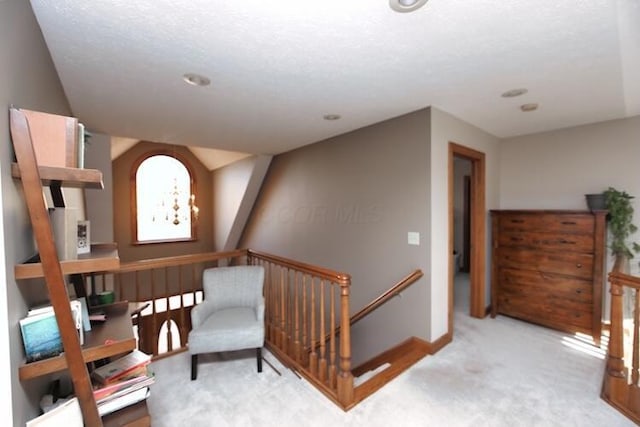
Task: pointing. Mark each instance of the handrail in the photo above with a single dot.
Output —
(383, 298)
(149, 264)
(625, 279)
(387, 295)
(336, 277)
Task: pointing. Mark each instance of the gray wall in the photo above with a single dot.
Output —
(575, 161)
(229, 184)
(100, 202)
(347, 203)
(235, 190)
(27, 79)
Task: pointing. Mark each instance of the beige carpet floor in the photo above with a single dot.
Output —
(496, 372)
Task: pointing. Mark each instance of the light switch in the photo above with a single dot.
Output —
(413, 238)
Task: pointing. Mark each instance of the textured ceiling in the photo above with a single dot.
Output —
(277, 66)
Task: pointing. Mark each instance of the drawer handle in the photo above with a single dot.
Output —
(566, 242)
(569, 223)
(517, 221)
(579, 265)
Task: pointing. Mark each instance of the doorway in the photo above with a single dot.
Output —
(474, 206)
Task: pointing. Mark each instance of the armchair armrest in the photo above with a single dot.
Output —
(200, 312)
(260, 310)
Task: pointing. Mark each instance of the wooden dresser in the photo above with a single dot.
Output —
(548, 268)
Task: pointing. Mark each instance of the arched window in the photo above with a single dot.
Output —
(163, 190)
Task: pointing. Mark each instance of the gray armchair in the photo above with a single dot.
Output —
(231, 315)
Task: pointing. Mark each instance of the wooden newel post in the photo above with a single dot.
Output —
(616, 382)
(345, 378)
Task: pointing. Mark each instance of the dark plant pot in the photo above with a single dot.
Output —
(596, 202)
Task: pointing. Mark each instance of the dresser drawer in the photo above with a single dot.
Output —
(561, 223)
(555, 242)
(570, 264)
(572, 292)
(546, 312)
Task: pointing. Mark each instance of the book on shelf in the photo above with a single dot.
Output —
(111, 391)
(97, 317)
(40, 334)
(123, 401)
(54, 138)
(130, 365)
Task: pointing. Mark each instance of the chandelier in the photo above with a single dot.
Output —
(172, 206)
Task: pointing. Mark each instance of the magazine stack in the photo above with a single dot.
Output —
(122, 382)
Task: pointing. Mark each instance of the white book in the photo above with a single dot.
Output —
(81, 142)
(123, 401)
(67, 414)
(64, 225)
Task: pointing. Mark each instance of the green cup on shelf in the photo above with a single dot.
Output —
(107, 297)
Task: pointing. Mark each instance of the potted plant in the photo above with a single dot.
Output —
(596, 201)
(621, 224)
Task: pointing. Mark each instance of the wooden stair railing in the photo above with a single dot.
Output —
(384, 297)
(306, 315)
(621, 387)
(303, 302)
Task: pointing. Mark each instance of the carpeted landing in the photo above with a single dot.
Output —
(496, 372)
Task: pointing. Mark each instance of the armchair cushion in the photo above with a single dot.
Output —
(227, 330)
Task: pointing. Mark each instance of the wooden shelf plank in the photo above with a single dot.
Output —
(103, 257)
(65, 177)
(114, 336)
(136, 415)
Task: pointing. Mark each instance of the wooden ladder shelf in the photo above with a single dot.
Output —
(50, 267)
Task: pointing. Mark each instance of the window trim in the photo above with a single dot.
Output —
(133, 196)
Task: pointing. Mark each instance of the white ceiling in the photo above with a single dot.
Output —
(278, 66)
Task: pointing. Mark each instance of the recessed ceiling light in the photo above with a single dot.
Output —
(529, 107)
(331, 116)
(514, 92)
(406, 5)
(196, 79)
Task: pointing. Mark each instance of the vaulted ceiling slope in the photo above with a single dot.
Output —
(277, 67)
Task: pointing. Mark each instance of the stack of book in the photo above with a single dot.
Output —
(122, 382)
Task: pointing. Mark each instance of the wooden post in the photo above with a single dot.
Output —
(283, 311)
(332, 338)
(636, 339)
(345, 378)
(615, 387)
(296, 326)
(313, 355)
(322, 366)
